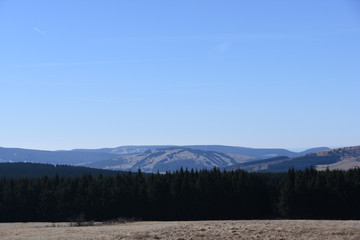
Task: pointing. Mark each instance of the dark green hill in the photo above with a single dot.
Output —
(53, 157)
(282, 164)
(32, 170)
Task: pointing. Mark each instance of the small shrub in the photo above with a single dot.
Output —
(80, 221)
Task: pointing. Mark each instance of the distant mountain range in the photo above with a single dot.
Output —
(156, 158)
(170, 159)
(338, 158)
(258, 153)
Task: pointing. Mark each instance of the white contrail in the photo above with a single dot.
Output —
(39, 31)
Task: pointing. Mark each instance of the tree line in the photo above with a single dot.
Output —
(184, 195)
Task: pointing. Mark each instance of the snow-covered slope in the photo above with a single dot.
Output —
(170, 159)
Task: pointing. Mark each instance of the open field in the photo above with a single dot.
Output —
(264, 229)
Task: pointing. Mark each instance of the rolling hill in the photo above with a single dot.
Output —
(258, 153)
(33, 170)
(349, 157)
(339, 158)
(170, 159)
(52, 157)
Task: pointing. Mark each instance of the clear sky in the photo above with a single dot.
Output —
(91, 74)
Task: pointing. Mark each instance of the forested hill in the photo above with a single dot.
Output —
(148, 158)
(32, 170)
(338, 158)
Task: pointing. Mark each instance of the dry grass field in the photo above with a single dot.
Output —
(265, 230)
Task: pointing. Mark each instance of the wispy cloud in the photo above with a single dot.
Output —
(39, 31)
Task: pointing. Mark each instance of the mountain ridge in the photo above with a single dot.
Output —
(150, 158)
(338, 158)
(170, 159)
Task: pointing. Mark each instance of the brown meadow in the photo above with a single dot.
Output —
(246, 230)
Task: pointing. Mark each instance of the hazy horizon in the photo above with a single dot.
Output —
(295, 149)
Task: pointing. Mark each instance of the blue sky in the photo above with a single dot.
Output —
(91, 74)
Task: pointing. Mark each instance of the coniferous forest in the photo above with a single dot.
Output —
(184, 195)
